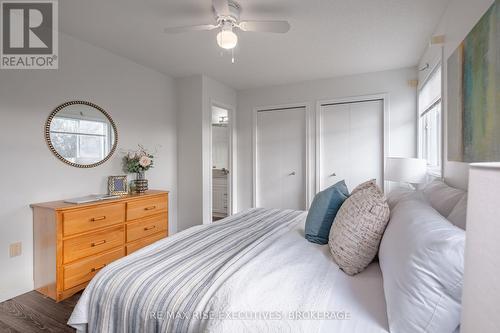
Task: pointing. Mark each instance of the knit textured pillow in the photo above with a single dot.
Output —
(365, 185)
(358, 228)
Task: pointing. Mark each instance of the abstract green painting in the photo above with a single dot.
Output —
(474, 93)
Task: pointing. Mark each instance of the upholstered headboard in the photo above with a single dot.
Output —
(456, 174)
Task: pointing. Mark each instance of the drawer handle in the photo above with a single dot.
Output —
(98, 243)
(149, 228)
(97, 268)
(100, 218)
(150, 208)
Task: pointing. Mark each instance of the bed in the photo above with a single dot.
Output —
(251, 272)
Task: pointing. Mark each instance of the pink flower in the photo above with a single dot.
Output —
(144, 161)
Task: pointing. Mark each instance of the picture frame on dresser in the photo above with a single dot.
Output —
(72, 242)
(117, 185)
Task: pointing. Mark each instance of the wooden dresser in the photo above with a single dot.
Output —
(71, 243)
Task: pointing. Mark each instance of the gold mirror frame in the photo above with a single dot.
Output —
(54, 151)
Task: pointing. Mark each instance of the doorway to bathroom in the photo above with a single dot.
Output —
(221, 166)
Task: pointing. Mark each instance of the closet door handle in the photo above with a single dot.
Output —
(333, 174)
(292, 173)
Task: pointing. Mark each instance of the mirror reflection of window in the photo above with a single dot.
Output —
(80, 141)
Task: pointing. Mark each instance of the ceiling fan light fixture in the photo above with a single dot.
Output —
(227, 39)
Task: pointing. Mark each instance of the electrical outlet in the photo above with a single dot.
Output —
(16, 249)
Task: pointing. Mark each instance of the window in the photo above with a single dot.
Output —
(430, 129)
(80, 141)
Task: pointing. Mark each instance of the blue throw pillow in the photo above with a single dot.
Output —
(322, 212)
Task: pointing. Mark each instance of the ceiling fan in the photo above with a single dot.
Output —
(227, 16)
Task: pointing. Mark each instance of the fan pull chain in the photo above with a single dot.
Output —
(232, 56)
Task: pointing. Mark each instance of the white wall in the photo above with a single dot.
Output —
(196, 95)
(140, 101)
(189, 177)
(457, 21)
(395, 83)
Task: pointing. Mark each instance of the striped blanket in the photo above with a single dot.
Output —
(168, 287)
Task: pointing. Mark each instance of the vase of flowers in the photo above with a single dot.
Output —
(138, 162)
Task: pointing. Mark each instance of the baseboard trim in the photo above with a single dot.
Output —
(5, 295)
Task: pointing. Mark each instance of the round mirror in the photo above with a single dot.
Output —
(81, 134)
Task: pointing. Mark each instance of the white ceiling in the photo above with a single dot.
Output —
(328, 37)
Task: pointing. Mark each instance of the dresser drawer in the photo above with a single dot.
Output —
(146, 207)
(146, 227)
(84, 270)
(132, 247)
(87, 245)
(92, 218)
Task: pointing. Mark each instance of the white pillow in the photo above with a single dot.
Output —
(458, 215)
(422, 261)
(402, 193)
(442, 197)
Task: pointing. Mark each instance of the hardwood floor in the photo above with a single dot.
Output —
(33, 312)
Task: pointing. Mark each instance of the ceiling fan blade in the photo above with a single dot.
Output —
(221, 7)
(265, 26)
(201, 27)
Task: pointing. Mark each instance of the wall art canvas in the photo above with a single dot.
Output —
(473, 93)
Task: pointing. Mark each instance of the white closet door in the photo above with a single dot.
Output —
(281, 154)
(351, 143)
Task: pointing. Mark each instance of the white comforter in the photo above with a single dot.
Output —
(291, 280)
(295, 276)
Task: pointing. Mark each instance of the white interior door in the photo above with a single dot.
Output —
(281, 159)
(352, 140)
